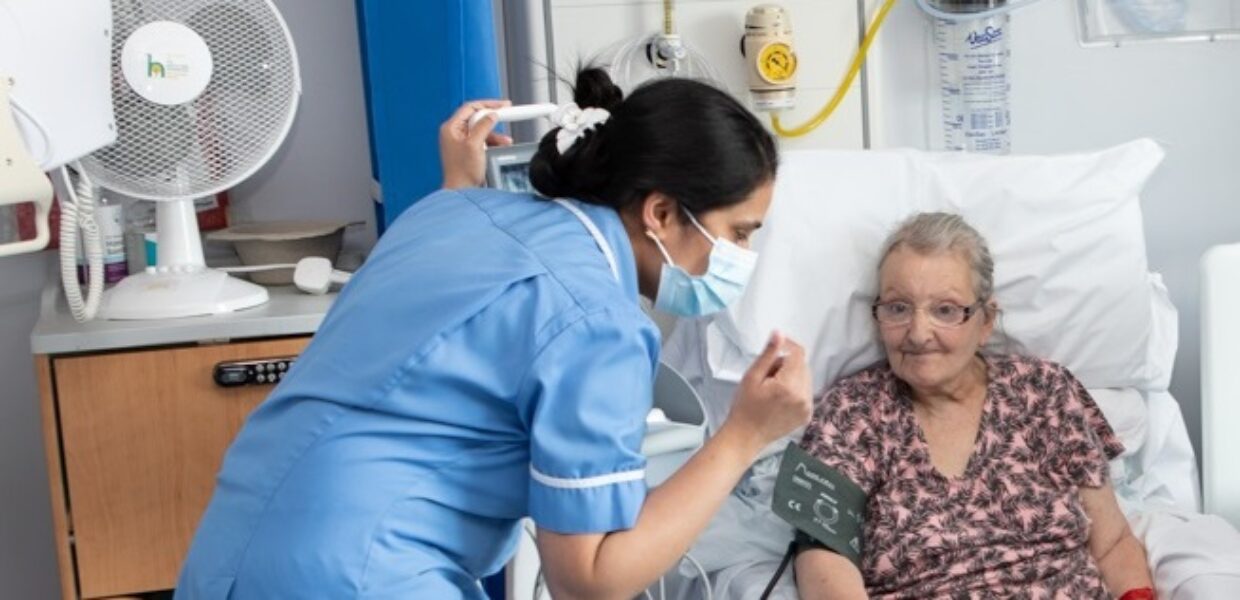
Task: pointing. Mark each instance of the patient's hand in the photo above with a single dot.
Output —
(774, 395)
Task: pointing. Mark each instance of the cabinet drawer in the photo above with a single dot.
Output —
(143, 436)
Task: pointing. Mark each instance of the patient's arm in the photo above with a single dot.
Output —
(825, 575)
(1119, 554)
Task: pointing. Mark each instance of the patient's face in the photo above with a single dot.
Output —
(925, 355)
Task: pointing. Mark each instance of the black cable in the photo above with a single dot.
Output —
(783, 565)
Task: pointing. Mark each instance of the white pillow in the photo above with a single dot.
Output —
(1065, 232)
(1127, 414)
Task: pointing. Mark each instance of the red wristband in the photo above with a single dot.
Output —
(1139, 594)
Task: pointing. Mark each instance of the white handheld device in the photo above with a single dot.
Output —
(515, 113)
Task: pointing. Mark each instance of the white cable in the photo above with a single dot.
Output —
(710, 593)
(79, 212)
(969, 16)
(47, 139)
(539, 584)
(256, 268)
(623, 62)
(619, 58)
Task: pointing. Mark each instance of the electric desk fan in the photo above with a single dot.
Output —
(204, 92)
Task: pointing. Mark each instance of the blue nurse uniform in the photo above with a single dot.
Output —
(489, 362)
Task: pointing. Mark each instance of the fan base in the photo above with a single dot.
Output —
(171, 295)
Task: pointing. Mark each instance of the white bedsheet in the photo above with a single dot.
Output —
(1163, 474)
(1192, 556)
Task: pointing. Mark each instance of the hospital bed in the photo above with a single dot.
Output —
(1193, 556)
(1072, 280)
(1067, 236)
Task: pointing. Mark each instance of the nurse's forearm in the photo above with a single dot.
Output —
(622, 563)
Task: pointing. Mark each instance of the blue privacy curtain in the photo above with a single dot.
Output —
(420, 60)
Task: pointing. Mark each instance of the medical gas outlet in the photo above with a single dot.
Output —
(772, 61)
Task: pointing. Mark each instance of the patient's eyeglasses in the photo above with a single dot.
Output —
(943, 314)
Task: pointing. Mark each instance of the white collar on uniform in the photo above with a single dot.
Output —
(595, 233)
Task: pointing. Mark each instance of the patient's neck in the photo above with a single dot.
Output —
(967, 388)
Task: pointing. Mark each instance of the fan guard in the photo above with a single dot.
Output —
(227, 132)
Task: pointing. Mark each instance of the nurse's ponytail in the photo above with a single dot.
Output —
(577, 171)
(684, 138)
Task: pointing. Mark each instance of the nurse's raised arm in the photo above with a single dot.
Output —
(462, 149)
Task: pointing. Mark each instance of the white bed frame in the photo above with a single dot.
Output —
(1220, 381)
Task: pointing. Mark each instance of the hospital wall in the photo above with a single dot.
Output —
(1066, 97)
(322, 171)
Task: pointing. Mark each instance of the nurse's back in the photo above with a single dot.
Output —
(400, 440)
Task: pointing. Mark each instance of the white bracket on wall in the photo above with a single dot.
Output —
(1220, 381)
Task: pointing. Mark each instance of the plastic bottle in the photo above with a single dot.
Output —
(972, 57)
(140, 235)
(111, 219)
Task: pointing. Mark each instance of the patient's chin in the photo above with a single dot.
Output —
(921, 371)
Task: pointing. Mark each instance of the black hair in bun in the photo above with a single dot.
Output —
(684, 138)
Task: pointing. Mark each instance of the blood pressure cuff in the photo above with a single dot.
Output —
(824, 505)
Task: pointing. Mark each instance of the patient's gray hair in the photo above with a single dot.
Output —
(935, 232)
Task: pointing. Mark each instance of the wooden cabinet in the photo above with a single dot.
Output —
(134, 441)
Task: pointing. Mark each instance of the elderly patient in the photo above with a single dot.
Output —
(986, 474)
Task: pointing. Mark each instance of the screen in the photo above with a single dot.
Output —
(508, 167)
(515, 177)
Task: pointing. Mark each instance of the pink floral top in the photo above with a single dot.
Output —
(1012, 525)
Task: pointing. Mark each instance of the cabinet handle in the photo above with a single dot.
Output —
(263, 371)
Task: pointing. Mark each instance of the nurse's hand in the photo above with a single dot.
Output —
(774, 397)
(462, 150)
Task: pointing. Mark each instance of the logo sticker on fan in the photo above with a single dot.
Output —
(166, 63)
(172, 67)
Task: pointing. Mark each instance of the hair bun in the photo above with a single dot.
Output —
(682, 138)
(546, 173)
(594, 88)
(581, 171)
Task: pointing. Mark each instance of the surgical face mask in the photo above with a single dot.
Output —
(724, 282)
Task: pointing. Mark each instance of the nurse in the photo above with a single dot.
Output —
(490, 362)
